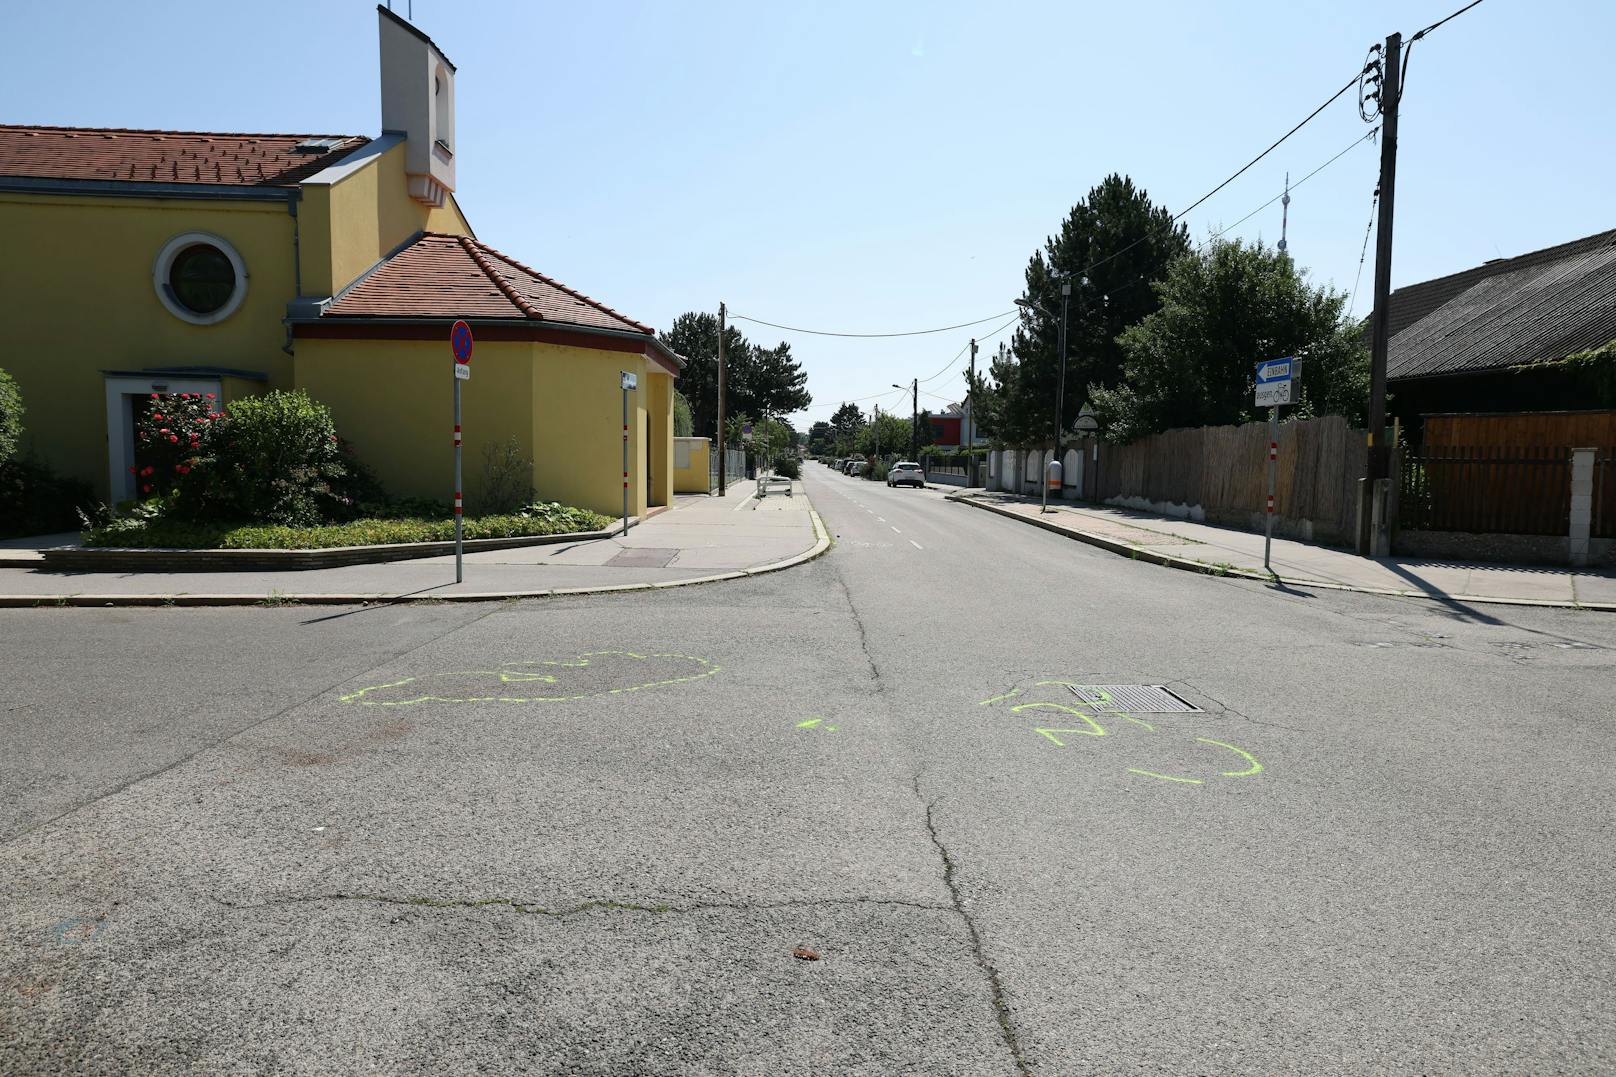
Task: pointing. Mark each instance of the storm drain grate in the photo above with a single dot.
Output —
(1132, 698)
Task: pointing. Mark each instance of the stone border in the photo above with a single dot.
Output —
(1168, 561)
(161, 559)
(821, 544)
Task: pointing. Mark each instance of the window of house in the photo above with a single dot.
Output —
(200, 278)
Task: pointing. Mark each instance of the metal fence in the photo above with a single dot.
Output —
(734, 467)
(1486, 490)
(944, 465)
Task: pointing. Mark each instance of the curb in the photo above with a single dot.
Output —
(1200, 568)
(821, 544)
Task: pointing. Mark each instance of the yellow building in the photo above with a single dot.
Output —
(156, 261)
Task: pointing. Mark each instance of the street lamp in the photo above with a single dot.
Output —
(1060, 390)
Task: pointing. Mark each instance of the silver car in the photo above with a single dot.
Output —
(906, 472)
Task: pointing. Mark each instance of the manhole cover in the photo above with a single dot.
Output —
(643, 557)
(1132, 698)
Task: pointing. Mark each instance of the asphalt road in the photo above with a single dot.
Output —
(586, 835)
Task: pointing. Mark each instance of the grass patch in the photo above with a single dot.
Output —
(172, 534)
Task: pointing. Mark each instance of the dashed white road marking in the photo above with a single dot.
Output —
(916, 545)
(895, 530)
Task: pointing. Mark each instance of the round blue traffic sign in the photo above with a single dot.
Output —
(460, 342)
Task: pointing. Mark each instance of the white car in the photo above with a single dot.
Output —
(906, 472)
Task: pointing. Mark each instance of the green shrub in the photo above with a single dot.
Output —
(275, 459)
(35, 500)
(10, 417)
(144, 529)
(788, 466)
(507, 478)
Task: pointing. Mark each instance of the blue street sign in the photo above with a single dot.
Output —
(1274, 370)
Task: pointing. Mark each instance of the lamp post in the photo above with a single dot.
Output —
(1060, 390)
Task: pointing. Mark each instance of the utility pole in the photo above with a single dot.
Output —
(914, 420)
(721, 314)
(970, 421)
(1390, 91)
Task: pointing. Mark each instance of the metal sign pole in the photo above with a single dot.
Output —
(1273, 464)
(625, 457)
(458, 515)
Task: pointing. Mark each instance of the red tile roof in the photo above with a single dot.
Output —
(115, 154)
(444, 276)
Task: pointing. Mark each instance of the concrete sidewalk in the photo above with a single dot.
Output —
(698, 539)
(1226, 551)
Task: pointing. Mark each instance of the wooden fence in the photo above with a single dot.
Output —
(1538, 429)
(1220, 473)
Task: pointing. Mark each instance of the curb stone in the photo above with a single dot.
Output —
(1201, 568)
(822, 543)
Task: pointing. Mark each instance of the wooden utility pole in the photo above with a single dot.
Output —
(1390, 91)
(969, 436)
(721, 315)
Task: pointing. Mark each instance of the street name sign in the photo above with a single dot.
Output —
(630, 381)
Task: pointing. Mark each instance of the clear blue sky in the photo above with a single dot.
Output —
(878, 167)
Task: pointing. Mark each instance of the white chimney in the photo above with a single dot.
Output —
(418, 103)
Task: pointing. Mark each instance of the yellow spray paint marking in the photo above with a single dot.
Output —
(1013, 693)
(1095, 729)
(813, 723)
(1255, 768)
(1164, 777)
(527, 676)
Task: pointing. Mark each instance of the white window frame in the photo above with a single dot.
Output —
(165, 264)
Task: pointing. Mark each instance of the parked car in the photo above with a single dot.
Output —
(854, 466)
(906, 473)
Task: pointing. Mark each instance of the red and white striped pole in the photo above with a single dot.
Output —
(1273, 467)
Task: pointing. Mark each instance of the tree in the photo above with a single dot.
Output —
(11, 412)
(885, 435)
(821, 439)
(757, 381)
(1114, 244)
(684, 424)
(846, 422)
(1224, 309)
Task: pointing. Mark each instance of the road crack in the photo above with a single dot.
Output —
(864, 638)
(1001, 1008)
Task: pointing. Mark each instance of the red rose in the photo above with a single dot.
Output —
(132, 471)
(173, 439)
(156, 416)
(154, 396)
(208, 395)
(145, 487)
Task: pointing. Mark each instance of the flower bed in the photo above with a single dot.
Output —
(537, 520)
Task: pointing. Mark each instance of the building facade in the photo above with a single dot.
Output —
(142, 262)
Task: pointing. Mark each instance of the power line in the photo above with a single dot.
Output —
(1374, 201)
(1439, 22)
(963, 350)
(910, 333)
(1355, 142)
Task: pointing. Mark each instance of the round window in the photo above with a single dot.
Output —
(202, 278)
(199, 277)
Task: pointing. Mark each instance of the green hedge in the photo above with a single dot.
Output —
(135, 531)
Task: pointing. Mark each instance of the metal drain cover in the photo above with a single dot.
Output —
(1133, 698)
